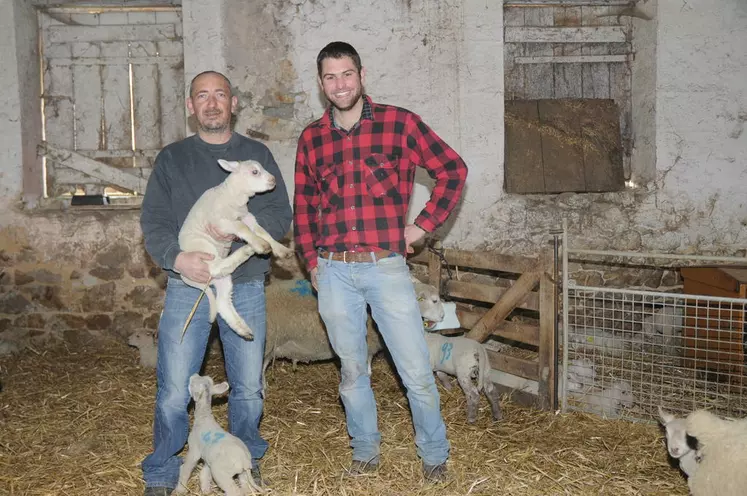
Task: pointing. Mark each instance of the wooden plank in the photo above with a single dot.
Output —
(563, 3)
(514, 73)
(152, 32)
(65, 62)
(88, 113)
(111, 175)
(66, 175)
(567, 77)
(511, 298)
(561, 147)
(487, 294)
(517, 366)
(523, 170)
(146, 107)
(548, 343)
(117, 115)
(538, 78)
(694, 287)
(596, 78)
(620, 88)
(602, 146)
(489, 260)
(573, 59)
(523, 333)
(173, 111)
(711, 276)
(591, 34)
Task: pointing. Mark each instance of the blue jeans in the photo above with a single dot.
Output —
(178, 361)
(385, 285)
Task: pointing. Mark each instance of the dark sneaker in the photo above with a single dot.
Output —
(158, 491)
(435, 473)
(364, 467)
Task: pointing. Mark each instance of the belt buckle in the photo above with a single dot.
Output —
(344, 259)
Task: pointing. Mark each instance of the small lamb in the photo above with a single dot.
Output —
(581, 374)
(606, 402)
(466, 359)
(677, 442)
(225, 207)
(146, 343)
(224, 455)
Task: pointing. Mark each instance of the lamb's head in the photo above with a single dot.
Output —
(202, 388)
(140, 339)
(676, 429)
(247, 177)
(430, 303)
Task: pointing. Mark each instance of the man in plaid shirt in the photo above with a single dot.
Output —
(355, 168)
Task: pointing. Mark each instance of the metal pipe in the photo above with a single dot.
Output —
(556, 327)
(633, 254)
(564, 395)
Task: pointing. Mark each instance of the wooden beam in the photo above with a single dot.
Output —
(571, 59)
(513, 365)
(510, 300)
(515, 264)
(68, 61)
(547, 345)
(434, 267)
(591, 34)
(523, 333)
(81, 163)
(565, 3)
(66, 175)
(487, 294)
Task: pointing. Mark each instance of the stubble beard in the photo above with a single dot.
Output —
(352, 104)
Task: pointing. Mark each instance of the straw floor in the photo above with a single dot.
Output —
(78, 422)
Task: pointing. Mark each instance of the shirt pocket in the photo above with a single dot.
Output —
(329, 185)
(382, 175)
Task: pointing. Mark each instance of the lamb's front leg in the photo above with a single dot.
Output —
(277, 249)
(221, 267)
(241, 230)
(190, 461)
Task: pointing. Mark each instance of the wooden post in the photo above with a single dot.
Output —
(511, 298)
(547, 344)
(434, 267)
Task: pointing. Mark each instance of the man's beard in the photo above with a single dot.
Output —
(352, 104)
(217, 126)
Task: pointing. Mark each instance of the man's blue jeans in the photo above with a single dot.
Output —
(385, 285)
(177, 361)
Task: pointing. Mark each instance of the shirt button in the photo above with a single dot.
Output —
(354, 228)
(350, 162)
(349, 138)
(350, 186)
(352, 207)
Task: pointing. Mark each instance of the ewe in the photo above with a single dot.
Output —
(225, 207)
(224, 455)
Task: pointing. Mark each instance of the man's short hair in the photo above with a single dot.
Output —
(192, 83)
(338, 50)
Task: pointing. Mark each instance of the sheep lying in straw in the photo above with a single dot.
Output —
(466, 359)
(224, 455)
(296, 332)
(225, 207)
(146, 343)
(723, 448)
(606, 402)
(677, 442)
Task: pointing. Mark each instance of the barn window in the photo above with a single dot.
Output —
(112, 97)
(567, 90)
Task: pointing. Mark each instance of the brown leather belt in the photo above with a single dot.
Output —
(355, 256)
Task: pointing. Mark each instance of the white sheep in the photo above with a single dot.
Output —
(225, 207)
(677, 442)
(224, 455)
(581, 374)
(665, 322)
(606, 402)
(466, 359)
(146, 343)
(722, 445)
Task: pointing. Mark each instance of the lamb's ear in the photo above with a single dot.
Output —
(219, 388)
(228, 165)
(665, 416)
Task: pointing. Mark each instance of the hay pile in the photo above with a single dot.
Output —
(78, 422)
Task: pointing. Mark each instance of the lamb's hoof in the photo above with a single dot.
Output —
(471, 420)
(246, 333)
(497, 418)
(283, 253)
(263, 247)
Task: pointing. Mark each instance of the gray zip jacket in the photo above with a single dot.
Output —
(186, 169)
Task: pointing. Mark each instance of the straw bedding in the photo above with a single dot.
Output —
(77, 421)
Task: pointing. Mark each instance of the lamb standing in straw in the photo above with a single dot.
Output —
(225, 207)
(723, 449)
(224, 455)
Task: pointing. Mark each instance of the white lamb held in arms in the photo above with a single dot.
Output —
(225, 456)
(677, 442)
(722, 445)
(225, 207)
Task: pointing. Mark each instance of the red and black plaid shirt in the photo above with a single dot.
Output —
(353, 189)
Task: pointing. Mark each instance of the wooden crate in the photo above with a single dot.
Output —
(714, 333)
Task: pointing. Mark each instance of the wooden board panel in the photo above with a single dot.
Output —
(594, 34)
(561, 150)
(117, 115)
(513, 365)
(514, 73)
(538, 78)
(526, 173)
(500, 262)
(173, 111)
(711, 276)
(63, 34)
(694, 287)
(602, 150)
(58, 106)
(146, 106)
(88, 114)
(595, 77)
(567, 77)
(521, 332)
(487, 294)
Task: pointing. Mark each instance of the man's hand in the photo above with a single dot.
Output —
(218, 235)
(191, 264)
(312, 274)
(412, 234)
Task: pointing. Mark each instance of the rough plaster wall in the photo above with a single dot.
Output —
(11, 174)
(643, 95)
(701, 114)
